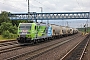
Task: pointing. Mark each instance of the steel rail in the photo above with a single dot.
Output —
(47, 48)
(75, 49)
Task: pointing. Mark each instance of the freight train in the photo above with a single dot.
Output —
(36, 32)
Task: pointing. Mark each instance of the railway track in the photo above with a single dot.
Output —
(2, 44)
(7, 41)
(11, 46)
(8, 46)
(78, 51)
(32, 54)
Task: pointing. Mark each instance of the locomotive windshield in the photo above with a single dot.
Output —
(25, 26)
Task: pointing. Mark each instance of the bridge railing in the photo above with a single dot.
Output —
(49, 16)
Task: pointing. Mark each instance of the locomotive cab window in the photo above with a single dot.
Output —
(25, 26)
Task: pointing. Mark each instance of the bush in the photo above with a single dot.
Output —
(9, 35)
(8, 26)
(6, 34)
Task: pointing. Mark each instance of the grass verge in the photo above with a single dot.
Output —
(4, 39)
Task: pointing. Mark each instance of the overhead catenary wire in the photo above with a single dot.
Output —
(15, 7)
(79, 5)
(42, 4)
(33, 6)
(82, 10)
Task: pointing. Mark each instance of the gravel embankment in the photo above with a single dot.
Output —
(54, 54)
(29, 48)
(87, 53)
(57, 53)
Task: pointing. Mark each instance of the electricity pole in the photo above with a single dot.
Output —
(41, 12)
(28, 10)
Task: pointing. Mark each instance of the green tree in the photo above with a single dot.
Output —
(8, 26)
(4, 17)
(16, 22)
(7, 34)
(13, 29)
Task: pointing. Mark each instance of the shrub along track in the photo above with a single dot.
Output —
(20, 53)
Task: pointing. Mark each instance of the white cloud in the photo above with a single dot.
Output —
(20, 6)
(48, 5)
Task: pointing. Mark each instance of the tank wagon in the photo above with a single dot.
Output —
(35, 32)
(75, 30)
(56, 30)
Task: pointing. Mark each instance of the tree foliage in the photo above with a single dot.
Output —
(16, 22)
(8, 28)
(7, 34)
(4, 17)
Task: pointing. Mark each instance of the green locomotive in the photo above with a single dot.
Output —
(31, 32)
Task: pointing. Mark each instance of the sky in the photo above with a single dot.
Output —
(21, 6)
